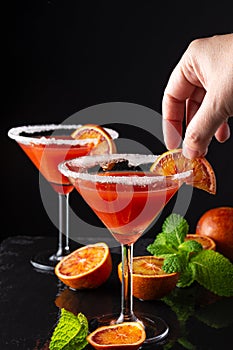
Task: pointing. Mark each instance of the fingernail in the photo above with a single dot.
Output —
(191, 153)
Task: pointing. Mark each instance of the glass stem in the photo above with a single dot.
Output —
(63, 225)
(127, 313)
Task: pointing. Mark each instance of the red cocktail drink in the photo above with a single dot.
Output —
(126, 210)
(47, 156)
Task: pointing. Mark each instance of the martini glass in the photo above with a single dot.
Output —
(126, 197)
(47, 146)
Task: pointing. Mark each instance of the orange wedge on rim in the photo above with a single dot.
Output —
(173, 162)
(101, 139)
(86, 267)
(126, 335)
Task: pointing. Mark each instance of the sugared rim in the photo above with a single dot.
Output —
(15, 134)
(134, 159)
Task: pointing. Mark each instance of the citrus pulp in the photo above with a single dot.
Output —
(149, 280)
(206, 242)
(86, 267)
(126, 335)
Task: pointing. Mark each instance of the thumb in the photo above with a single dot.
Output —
(203, 126)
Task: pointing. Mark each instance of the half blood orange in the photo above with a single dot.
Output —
(173, 162)
(101, 139)
(126, 335)
(206, 242)
(86, 267)
(149, 280)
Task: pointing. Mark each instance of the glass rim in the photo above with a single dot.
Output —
(14, 133)
(91, 161)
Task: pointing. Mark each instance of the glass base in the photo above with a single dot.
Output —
(156, 328)
(46, 260)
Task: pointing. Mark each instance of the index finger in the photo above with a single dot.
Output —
(177, 91)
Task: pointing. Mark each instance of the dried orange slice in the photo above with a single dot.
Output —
(102, 140)
(173, 162)
(126, 335)
(86, 267)
(149, 280)
(206, 242)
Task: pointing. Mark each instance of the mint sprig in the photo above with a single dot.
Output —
(70, 332)
(209, 268)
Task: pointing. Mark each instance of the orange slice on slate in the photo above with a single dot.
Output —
(86, 267)
(126, 335)
(173, 162)
(102, 140)
(149, 280)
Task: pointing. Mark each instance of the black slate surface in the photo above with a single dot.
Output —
(30, 303)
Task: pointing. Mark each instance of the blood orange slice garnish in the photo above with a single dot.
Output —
(149, 280)
(86, 267)
(173, 162)
(126, 335)
(102, 142)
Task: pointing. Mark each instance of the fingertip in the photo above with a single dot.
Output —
(172, 134)
(223, 132)
(172, 144)
(192, 153)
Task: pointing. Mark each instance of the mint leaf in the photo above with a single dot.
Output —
(175, 227)
(182, 302)
(191, 246)
(160, 239)
(216, 315)
(70, 332)
(175, 222)
(187, 277)
(160, 250)
(186, 344)
(214, 272)
(174, 263)
(80, 338)
(159, 247)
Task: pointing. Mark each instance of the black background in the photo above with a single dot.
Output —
(62, 56)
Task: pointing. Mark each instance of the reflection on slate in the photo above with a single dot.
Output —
(31, 302)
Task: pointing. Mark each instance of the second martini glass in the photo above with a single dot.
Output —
(47, 146)
(127, 197)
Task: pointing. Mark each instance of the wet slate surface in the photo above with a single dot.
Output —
(31, 300)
